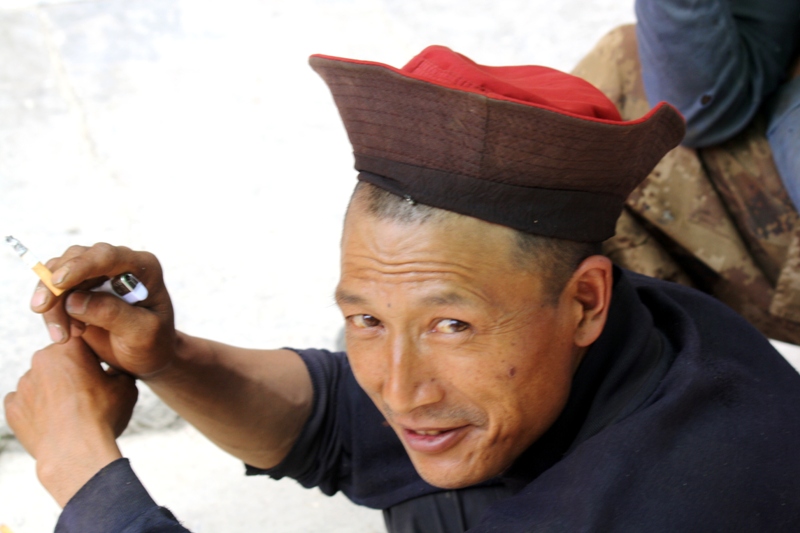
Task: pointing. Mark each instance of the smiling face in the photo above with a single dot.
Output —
(462, 350)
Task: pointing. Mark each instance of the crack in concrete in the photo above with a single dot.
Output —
(68, 91)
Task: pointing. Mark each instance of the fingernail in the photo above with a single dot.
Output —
(40, 297)
(56, 333)
(77, 302)
(76, 329)
(60, 275)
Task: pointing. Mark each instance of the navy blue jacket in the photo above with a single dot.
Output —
(682, 417)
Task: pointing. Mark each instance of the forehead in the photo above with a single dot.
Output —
(455, 251)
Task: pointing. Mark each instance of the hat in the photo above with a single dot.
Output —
(527, 147)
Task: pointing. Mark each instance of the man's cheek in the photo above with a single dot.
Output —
(366, 369)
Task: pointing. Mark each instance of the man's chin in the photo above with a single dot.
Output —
(448, 475)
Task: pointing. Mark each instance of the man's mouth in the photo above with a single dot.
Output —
(433, 440)
(434, 432)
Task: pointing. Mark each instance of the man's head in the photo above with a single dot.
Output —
(468, 286)
(464, 336)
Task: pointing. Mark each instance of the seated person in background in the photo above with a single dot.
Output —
(716, 216)
(501, 375)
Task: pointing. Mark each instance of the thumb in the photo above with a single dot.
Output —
(131, 324)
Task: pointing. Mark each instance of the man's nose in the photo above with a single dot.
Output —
(411, 379)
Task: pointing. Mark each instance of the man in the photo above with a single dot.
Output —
(500, 376)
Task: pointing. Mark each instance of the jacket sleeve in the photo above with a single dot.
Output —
(715, 60)
(115, 500)
(319, 456)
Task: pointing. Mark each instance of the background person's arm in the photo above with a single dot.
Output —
(715, 60)
(783, 132)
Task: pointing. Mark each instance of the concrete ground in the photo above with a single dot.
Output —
(195, 130)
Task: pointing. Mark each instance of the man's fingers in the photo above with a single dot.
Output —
(103, 260)
(136, 338)
(7, 402)
(59, 325)
(43, 299)
(111, 314)
(82, 268)
(76, 328)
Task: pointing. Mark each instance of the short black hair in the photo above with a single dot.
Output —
(555, 259)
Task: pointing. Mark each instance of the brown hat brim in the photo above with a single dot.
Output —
(524, 166)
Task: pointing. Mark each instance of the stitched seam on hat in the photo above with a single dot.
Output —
(477, 169)
(602, 146)
(417, 156)
(432, 164)
(598, 194)
(486, 110)
(541, 157)
(588, 138)
(461, 133)
(455, 143)
(412, 108)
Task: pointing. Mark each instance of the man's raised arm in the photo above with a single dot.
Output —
(251, 403)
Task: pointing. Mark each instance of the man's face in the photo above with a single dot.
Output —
(458, 346)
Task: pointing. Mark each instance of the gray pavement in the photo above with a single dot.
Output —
(195, 130)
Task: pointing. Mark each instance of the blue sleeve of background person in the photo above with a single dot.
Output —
(115, 500)
(783, 133)
(715, 60)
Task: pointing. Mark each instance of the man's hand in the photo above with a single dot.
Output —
(67, 412)
(138, 339)
(251, 403)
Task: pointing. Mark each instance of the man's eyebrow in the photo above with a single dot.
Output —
(348, 298)
(445, 298)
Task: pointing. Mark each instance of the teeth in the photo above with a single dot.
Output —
(427, 432)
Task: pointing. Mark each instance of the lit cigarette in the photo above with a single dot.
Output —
(125, 286)
(31, 261)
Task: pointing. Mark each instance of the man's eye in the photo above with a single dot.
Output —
(450, 325)
(364, 321)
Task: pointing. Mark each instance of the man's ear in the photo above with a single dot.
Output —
(589, 290)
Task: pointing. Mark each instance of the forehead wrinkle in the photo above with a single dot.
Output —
(443, 294)
(439, 299)
(458, 283)
(392, 265)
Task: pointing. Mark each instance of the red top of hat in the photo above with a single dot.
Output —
(530, 84)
